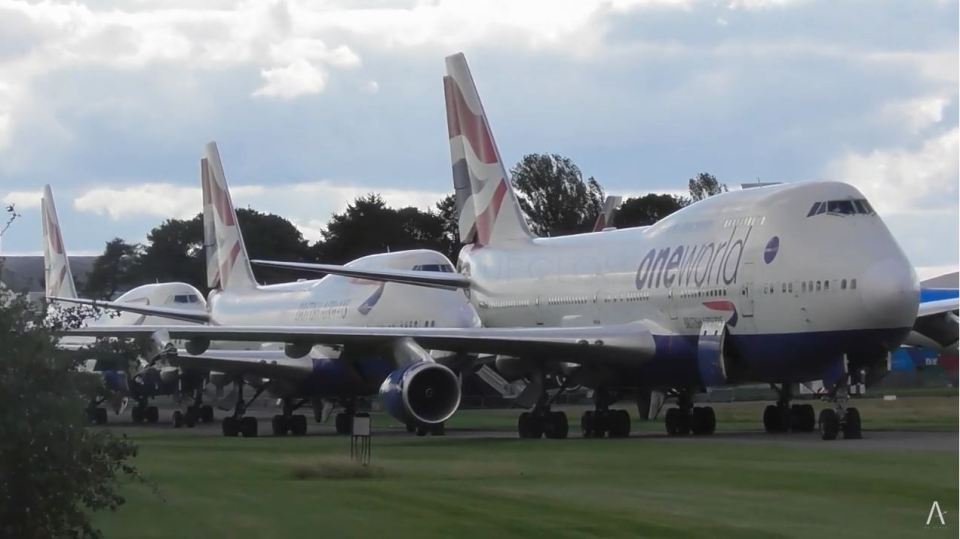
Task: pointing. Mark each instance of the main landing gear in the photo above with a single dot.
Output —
(96, 414)
(602, 421)
(437, 429)
(542, 421)
(238, 424)
(142, 413)
(687, 418)
(295, 424)
(195, 413)
(784, 417)
(840, 417)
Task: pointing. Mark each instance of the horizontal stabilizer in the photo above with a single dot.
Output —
(192, 315)
(432, 279)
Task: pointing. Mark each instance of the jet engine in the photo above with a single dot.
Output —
(197, 345)
(424, 392)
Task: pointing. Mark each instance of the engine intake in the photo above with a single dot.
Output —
(423, 392)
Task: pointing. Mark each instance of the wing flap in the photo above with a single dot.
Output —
(263, 363)
(188, 315)
(432, 279)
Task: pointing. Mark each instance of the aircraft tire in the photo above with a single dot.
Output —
(248, 427)
(618, 422)
(587, 421)
(152, 414)
(703, 421)
(100, 416)
(298, 425)
(851, 425)
(206, 413)
(190, 418)
(829, 424)
(177, 419)
(230, 426)
(438, 429)
(278, 425)
(136, 414)
(677, 422)
(557, 426)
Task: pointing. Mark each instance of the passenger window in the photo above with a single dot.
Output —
(790, 287)
(783, 288)
(826, 286)
(853, 284)
(803, 286)
(843, 284)
(818, 286)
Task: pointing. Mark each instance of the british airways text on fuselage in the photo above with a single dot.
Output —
(706, 264)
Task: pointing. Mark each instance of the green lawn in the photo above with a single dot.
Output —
(208, 486)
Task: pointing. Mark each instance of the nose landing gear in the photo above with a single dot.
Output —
(840, 418)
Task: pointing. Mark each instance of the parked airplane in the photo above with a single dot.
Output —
(416, 388)
(119, 384)
(778, 284)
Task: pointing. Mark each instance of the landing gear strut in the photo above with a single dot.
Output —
(687, 418)
(603, 421)
(784, 417)
(196, 413)
(295, 424)
(542, 421)
(142, 413)
(238, 424)
(840, 417)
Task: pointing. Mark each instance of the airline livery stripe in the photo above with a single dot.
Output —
(463, 121)
(488, 217)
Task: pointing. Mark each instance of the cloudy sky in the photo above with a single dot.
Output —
(314, 103)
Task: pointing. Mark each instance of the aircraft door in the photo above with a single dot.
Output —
(746, 293)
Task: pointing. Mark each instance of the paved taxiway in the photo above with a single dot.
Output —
(898, 440)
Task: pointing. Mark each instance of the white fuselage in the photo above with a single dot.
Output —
(753, 257)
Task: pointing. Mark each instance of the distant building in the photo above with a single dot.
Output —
(25, 273)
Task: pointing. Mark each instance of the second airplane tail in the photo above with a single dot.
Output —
(228, 266)
(57, 277)
(486, 204)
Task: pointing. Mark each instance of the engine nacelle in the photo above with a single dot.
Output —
(197, 345)
(295, 350)
(424, 392)
(158, 345)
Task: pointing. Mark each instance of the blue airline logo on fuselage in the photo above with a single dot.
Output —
(709, 264)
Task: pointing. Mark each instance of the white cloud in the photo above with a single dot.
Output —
(23, 199)
(293, 80)
(308, 205)
(906, 180)
(918, 113)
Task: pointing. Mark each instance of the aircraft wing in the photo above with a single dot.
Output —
(263, 363)
(165, 312)
(937, 326)
(432, 279)
(623, 344)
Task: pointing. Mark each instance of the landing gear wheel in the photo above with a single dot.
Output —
(411, 427)
(298, 425)
(152, 414)
(703, 421)
(526, 426)
(177, 419)
(422, 430)
(278, 425)
(677, 422)
(829, 424)
(776, 418)
(136, 414)
(587, 424)
(851, 425)
(230, 426)
(190, 418)
(438, 429)
(206, 413)
(557, 426)
(100, 416)
(618, 422)
(248, 427)
(802, 418)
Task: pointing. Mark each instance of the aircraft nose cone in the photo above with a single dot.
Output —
(890, 294)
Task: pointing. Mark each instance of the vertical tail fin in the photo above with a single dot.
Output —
(209, 230)
(229, 252)
(58, 280)
(487, 206)
(605, 219)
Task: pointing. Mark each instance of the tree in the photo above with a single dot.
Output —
(368, 226)
(174, 252)
(447, 212)
(648, 209)
(271, 237)
(53, 470)
(705, 185)
(554, 195)
(112, 270)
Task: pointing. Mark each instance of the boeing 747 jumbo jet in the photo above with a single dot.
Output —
(779, 284)
(147, 382)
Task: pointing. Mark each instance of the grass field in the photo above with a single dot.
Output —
(650, 486)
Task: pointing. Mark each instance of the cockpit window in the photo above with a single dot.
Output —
(186, 298)
(442, 268)
(841, 207)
